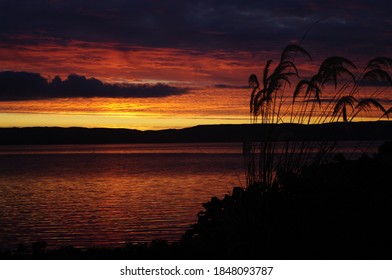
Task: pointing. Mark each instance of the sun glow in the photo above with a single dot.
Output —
(210, 105)
(203, 106)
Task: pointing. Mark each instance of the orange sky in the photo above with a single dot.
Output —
(108, 62)
(111, 63)
(123, 63)
(205, 103)
(202, 106)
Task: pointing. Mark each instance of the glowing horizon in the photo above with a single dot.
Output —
(203, 106)
(134, 113)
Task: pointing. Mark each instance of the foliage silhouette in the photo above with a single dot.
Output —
(335, 210)
(272, 103)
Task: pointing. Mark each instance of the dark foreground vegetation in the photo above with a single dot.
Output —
(337, 210)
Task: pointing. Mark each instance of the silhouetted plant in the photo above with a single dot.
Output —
(271, 103)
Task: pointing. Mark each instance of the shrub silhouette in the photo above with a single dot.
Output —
(335, 210)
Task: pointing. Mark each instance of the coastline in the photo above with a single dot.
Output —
(378, 130)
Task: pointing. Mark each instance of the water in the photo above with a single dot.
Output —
(107, 195)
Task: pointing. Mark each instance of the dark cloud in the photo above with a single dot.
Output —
(28, 86)
(203, 24)
(230, 86)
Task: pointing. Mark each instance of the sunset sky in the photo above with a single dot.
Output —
(164, 64)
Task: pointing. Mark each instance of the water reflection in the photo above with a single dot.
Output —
(107, 195)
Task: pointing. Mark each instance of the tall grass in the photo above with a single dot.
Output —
(335, 93)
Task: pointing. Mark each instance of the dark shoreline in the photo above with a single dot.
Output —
(380, 130)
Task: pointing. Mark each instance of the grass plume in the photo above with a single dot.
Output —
(282, 95)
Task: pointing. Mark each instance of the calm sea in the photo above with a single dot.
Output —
(107, 195)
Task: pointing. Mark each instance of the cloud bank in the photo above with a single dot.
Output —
(29, 86)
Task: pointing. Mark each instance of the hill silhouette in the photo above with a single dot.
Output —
(381, 130)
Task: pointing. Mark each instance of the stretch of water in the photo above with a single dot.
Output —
(106, 195)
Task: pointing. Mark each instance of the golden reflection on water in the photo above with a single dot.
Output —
(98, 197)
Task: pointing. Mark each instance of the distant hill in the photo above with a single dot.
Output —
(381, 130)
